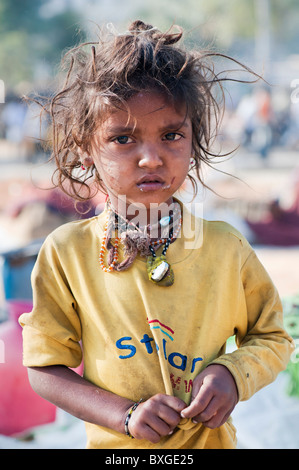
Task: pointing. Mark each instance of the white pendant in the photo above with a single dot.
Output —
(165, 221)
(159, 272)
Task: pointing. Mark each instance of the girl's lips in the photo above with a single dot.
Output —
(151, 183)
(150, 186)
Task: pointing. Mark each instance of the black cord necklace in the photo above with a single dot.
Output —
(158, 269)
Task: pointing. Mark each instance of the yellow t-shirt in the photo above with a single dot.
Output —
(139, 339)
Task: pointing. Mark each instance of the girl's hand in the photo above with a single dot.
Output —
(214, 396)
(156, 417)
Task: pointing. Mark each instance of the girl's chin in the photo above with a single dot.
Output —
(147, 201)
(144, 199)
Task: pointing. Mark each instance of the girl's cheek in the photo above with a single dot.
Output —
(109, 167)
(111, 175)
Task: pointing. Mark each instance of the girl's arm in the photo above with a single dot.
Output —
(156, 417)
(74, 394)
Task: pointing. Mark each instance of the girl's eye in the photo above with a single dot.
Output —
(172, 136)
(123, 139)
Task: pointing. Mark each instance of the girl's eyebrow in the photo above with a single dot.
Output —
(177, 125)
(119, 129)
(115, 130)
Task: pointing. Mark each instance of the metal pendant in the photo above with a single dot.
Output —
(159, 271)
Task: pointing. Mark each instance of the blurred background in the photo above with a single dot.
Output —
(255, 189)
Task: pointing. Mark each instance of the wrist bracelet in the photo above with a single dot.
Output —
(128, 418)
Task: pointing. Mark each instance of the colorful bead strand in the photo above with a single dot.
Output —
(109, 268)
(161, 241)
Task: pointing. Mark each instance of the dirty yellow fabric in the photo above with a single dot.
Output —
(140, 339)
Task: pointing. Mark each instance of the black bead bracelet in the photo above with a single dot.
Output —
(128, 418)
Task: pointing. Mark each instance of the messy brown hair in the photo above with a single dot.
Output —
(112, 70)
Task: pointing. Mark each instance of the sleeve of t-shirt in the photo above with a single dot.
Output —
(52, 331)
(265, 348)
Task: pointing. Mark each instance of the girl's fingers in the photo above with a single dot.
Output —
(217, 420)
(207, 413)
(152, 431)
(199, 403)
(174, 403)
(156, 417)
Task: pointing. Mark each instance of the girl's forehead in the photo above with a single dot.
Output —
(147, 105)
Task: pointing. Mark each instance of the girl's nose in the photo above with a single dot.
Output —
(150, 157)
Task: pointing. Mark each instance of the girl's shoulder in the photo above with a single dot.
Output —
(221, 228)
(225, 236)
(213, 229)
(75, 232)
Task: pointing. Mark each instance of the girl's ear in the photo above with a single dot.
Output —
(85, 159)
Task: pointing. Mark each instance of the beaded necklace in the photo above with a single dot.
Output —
(110, 267)
(158, 269)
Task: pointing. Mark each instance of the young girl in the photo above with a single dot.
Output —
(149, 310)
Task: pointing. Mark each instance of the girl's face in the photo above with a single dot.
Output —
(144, 154)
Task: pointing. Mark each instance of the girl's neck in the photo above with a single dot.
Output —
(140, 215)
(153, 224)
